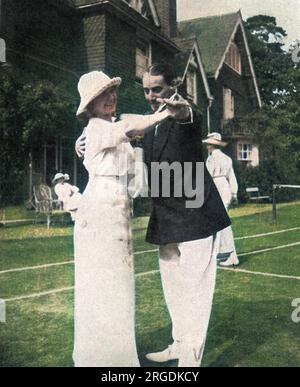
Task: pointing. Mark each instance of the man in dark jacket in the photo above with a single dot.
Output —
(188, 237)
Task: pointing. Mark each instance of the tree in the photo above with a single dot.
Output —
(32, 112)
(47, 111)
(11, 136)
(272, 63)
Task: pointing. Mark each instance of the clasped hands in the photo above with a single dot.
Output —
(179, 110)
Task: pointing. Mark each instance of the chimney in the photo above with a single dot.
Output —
(167, 13)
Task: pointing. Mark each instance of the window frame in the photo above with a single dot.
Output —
(241, 151)
(192, 70)
(148, 47)
(227, 116)
(128, 2)
(234, 47)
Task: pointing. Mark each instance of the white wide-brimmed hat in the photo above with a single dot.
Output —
(93, 84)
(58, 176)
(215, 139)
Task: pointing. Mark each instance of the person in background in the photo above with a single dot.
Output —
(220, 167)
(67, 194)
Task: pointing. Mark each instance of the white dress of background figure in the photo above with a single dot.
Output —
(68, 194)
(220, 167)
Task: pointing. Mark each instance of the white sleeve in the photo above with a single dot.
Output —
(74, 189)
(101, 137)
(56, 191)
(210, 165)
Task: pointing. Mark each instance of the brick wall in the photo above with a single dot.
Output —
(167, 13)
(160, 54)
(38, 31)
(120, 49)
(90, 43)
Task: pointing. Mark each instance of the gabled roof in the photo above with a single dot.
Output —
(214, 35)
(79, 3)
(148, 8)
(182, 58)
(122, 8)
(189, 47)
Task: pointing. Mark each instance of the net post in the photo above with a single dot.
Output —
(274, 204)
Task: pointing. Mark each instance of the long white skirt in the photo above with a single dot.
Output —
(227, 244)
(104, 278)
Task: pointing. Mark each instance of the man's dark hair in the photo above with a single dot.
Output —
(164, 69)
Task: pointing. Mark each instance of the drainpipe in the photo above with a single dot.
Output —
(210, 102)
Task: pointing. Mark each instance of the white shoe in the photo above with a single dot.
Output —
(170, 353)
(231, 261)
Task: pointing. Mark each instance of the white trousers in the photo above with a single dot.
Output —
(188, 272)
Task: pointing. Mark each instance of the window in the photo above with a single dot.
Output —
(228, 105)
(143, 60)
(245, 152)
(233, 58)
(140, 6)
(191, 84)
(2, 51)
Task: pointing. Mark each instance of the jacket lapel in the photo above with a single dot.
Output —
(160, 139)
(148, 145)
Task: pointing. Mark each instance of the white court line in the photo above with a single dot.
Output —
(267, 233)
(238, 239)
(146, 251)
(270, 249)
(156, 250)
(36, 267)
(36, 295)
(56, 291)
(260, 273)
(146, 273)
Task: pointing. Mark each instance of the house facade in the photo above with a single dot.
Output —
(60, 40)
(232, 81)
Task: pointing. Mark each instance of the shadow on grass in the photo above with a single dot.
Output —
(249, 334)
(155, 341)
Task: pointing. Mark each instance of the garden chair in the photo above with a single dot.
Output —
(45, 204)
(255, 196)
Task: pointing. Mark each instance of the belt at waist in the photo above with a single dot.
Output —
(113, 178)
(116, 185)
(217, 177)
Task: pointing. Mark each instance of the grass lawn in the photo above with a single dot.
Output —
(251, 322)
(16, 213)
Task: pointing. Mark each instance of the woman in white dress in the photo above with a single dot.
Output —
(104, 273)
(67, 194)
